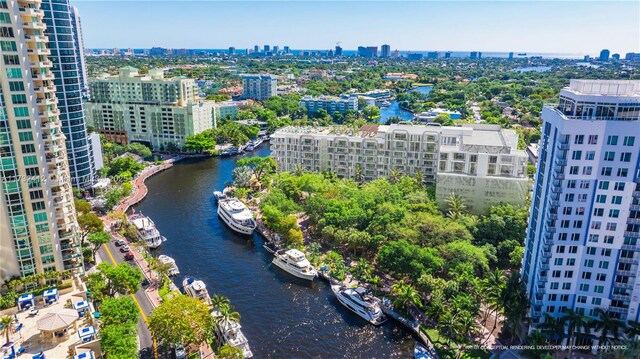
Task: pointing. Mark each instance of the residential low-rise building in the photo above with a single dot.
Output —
(227, 109)
(149, 108)
(481, 163)
(330, 104)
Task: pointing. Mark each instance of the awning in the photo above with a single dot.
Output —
(53, 292)
(39, 356)
(85, 355)
(86, 332)
(81, 305)
(25, 298)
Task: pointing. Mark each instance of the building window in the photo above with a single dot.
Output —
(606, 171)
(603, 185)
(598, 212)
(593, 139)
(590, 155)
(609, 156)
(612, 140)
(614, 213)
(579, 139)
(576, 155)
(573, 170)
(625, 157)
(628, 140)
(594, 238)
(623, 172)
(619, 186)
(601, 198)
(616, 200)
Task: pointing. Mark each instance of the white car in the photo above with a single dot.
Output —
(180, 352)
(120, 242)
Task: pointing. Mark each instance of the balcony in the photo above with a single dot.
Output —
(40, 52)
(636, 194)
(71, 256)
(632, 234)
(554, 203)
(618, 310)
(633, 220)
(627, 260)
(38, 38)
(635, 207)
(563, 146)
(558, 176)
(551, 229)
(631, 247)
(623, 285)
(546, 254)
(627, 273)
(29, 11)
(544, 266)
(556, 189)
(561, 162)
(34, 25)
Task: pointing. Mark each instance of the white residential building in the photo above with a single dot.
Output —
(259, 87)
(583, 242)
(479, 162)
(329, 104)
(147, 108)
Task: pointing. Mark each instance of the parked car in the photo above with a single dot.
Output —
(128, 256)
(180, 352)
(125, 249)
(120, 243)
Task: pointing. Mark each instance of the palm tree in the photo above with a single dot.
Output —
(535, 340)
(456, 206)
(219, 301)
(467, 324)
(448, 326)
(632, 330)
(494, 288)
(405, 295)
(226, 314)
(419, 177)
(363, 269)
(7, 326)
(576, 322)
(607, 326)
(394, 175)
(358, 176)
(552, 327)
(299, 170)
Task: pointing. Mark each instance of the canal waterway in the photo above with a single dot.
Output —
(394, 109)
(281, 316)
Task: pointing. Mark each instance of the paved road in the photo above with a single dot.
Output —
(146, 342)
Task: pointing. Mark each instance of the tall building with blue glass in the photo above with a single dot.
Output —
(67, 57)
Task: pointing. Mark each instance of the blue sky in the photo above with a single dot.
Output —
(577, 27)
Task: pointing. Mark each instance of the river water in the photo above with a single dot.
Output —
(281, 316)
(394, 109)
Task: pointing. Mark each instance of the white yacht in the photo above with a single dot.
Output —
(218, 195)
(236, 215)
(197, 289)
(361, 302)
(147, 230)
(173, 270)
(295, 263)
(229, 332)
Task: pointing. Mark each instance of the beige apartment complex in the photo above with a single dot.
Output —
(481, 163)
(38, 226)
(149, 108)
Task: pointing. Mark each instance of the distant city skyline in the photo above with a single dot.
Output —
(501, 26)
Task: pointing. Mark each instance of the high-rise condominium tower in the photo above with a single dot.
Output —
(38, 227)
(67, 58)
(583, 242)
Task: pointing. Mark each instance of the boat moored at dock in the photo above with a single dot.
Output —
(173, 268)
(228, 331)
(360, 301)
(197, 289)
(147, 229)
(295, 263)
(236, 215)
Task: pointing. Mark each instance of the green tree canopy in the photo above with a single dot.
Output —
(182, 319)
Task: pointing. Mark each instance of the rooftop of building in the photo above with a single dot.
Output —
(472, 134)
(132, 72)
(324, 98)
(260, 76)
(630, 88)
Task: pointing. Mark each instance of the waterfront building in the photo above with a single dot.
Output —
(604, 55)
(150, 109)
(266, 48)
(429, 116)
(630, 56)
(256, 49)
(481, 163)
(385, 51)
(286, 50)
(259, 87)
(232, 50)
(473, 55)
(338, 51)
(68, 72)
(583, 242)
(433, 54)
(414, 57)
(511, 56)
(158, 51)
(38, 226)
(329, 103)
(615, 56)
(447, 55)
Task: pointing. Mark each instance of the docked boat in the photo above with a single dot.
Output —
(236, 215)
(295, 263)
(197, 289)
(147, 229)
(229, 332)
(219, 195)
(173, 268)
(384, 103)
(250, 147)
(361, 302)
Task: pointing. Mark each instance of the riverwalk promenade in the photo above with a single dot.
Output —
(139, 192)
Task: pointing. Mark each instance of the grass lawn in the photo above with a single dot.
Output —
(420, 84)
(440, 343)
